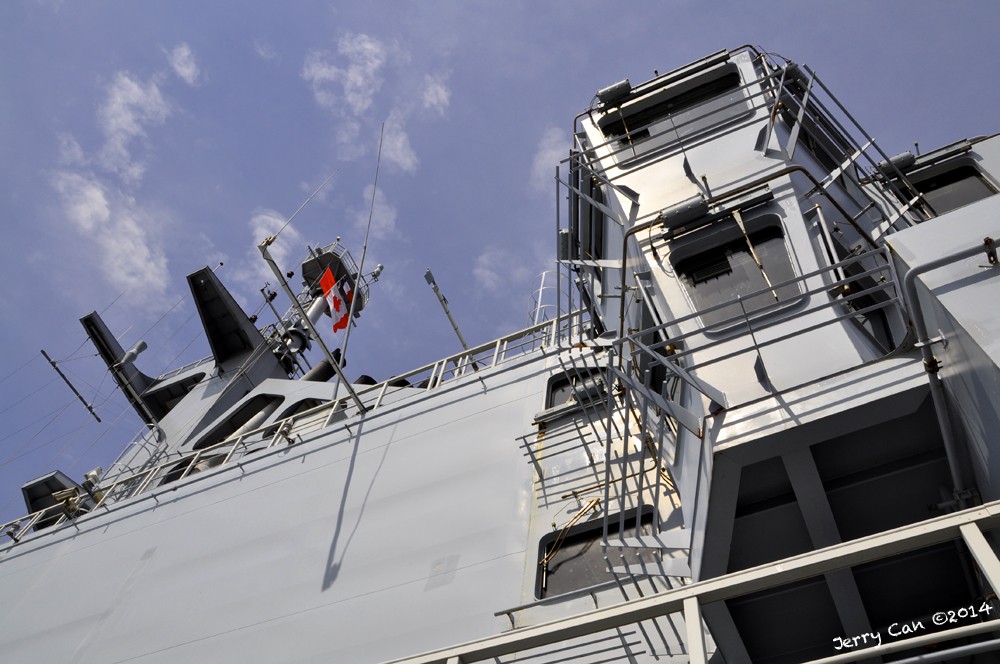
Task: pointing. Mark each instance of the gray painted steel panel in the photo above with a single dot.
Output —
(233, 532)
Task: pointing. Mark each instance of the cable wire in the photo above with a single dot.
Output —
(306, 202)
(32, 359)
(29, 394)
(20, 452)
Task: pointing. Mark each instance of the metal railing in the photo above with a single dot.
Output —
(785, 91)
(676, 349)
(179, 370)
(689, 600)
(293, 429)
(679, 347)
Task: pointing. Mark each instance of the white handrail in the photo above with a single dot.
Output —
(485, 356)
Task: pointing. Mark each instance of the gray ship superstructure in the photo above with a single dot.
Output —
(758, 423)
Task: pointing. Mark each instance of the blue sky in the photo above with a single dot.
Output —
(144, 140)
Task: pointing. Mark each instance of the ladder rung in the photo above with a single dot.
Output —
(837, 172)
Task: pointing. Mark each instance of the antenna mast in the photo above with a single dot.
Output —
(361, 263)
(66, 380)
(263, 246)
(429, 278)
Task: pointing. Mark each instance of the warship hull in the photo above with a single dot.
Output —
(758, 427)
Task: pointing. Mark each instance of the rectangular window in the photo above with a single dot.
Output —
(721, 273)
(571, 392)
(953, 188)
(574, 559)
(678, 112)
(576, 386)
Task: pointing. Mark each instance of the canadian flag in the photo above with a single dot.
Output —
(338, 296)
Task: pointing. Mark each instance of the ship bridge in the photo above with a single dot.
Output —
(748, 256)
(759, 426)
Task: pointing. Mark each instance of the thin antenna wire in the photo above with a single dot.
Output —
(20, 451)
(361, 263)
(84, 453)
(33, 422)
(306, 202)
(114, 300)
(160, 319)
(32, 359)
(167, 312)
(29, 394)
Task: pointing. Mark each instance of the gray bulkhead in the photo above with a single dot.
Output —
(721, 152)
(404, 530)
(721, 415)
(828, 432)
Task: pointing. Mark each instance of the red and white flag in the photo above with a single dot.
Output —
(338, 297)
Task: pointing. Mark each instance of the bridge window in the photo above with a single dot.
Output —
(679, 111)
(721, 273)
(950, 189)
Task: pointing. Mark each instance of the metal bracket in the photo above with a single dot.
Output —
(939, 339)
(991, 250)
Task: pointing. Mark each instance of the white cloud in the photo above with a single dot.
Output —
(365, 80)
(183, 63)
(347, 133)
(84, 200)
(287, 250)
(383, 215)
(437, 96)
(552, 148)
(70, 152)
(496, 270)
(358, 81)
(129, 108)
(133, 259)
(117, 238)
(264, 50)
(361, 80)
(347, 83)
(396, 147)
(288, 245)
(127, 254)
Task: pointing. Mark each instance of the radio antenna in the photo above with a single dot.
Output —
(361, 263)
(429, 278)
(66, 380)
(265, 252)
(306, 202)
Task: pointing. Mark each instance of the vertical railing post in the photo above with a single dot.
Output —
(146, 480)
(381, 395)
(194, 460)
(229, 454)
(695, 633)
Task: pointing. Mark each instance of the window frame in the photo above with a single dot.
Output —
(574, 380)
(593, 531)
(716, 236)
(942, 169)
(662, 128)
